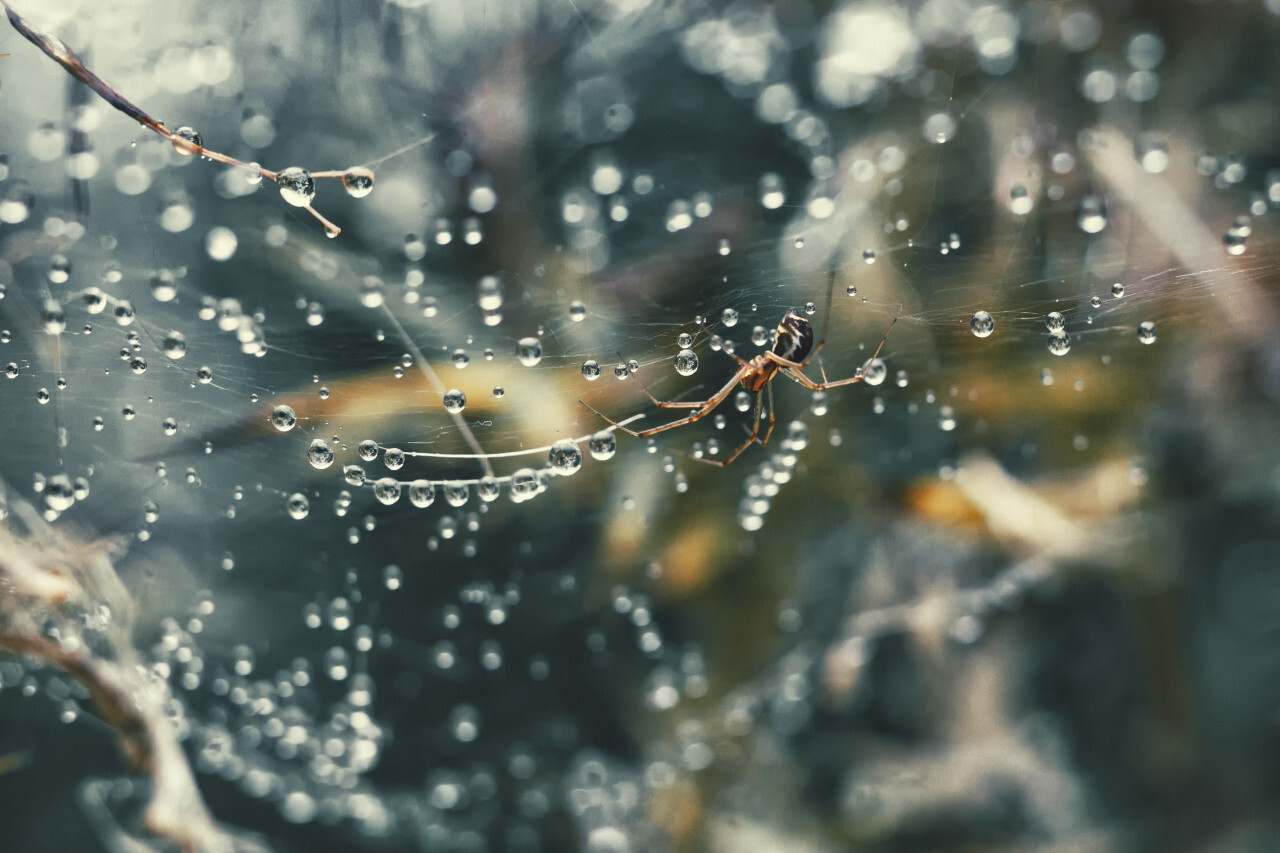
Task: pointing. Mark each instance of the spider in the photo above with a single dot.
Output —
(791, 354)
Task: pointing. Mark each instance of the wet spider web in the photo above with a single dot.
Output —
(393, 578)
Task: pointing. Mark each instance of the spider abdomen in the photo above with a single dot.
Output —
(795, 338)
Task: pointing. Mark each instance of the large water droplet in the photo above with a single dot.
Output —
(454, 401)
(358, 181)
(296, 186)
(982, 324)
(686, 362)
(283, 418)
(565, 457)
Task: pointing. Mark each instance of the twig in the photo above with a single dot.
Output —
(297, 185)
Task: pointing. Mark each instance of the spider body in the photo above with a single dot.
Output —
(792, 351)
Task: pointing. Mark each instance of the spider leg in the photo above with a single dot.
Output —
(754, 438)
(702, 408)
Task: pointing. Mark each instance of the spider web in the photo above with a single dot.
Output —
(550, 653)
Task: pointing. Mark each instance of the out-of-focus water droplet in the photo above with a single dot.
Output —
(204, 375)
(577, 311)
(1091, 214)
(1237, 237)
(358, 181)
(499, 392)
(529, 351)
(818, 403)
(946, 419)
(175, 345)
(169, 426)
(460, 359)
(686, 362)
(729, 317)
(138, 365)
(53, 319)
(875, 372)
(297, 187)
(1147, 332)
(564, 457)
(1059, 343)
(283, 418)
(489, 293)
(772, 193)
(1020, 201)
(123, 313)
(186, 141)
(724, 246)
(982, 324)
(298, 506)
(591, 370)
(454, 401)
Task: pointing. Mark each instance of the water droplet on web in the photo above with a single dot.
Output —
(393, 458)
(457, 494)
(729, 317)
(298, 506)
(1147, 332)
(422, 493)
(1117, 290)
(529, 351)
(1055, 322)
(358, 181)
(818, 403)
(684, 340)
(386, 490)
(124, 313)
(564, 457)
(138, 365)
(620, 372)
(810, 308)
(759, 336)
(204, 375)
(591, 370)
(186, 141)
(742, 401)
(686, 362)
(11, 370)
(454, 401)
(169, 426)
(602, 445)
(460, 359)
(283, 418)
(320, 454)
(297, 187)
(1059, 343)
(982, 324)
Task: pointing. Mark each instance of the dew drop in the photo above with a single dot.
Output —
(298, 506)
(686, 362)
(175, 345)
(283, 418)
(186, 141)
(320, 454)
(982, 324)
(1147, 332)
(529, 351)
(603, 445)
(386, 490)
(684, 340)
(577, 311)
(297, 187)
(591, 370)
(358, 181)
(729, 318)
(422, 493)
(1059, 343)
(565, 457)
(1055, 322)
(454, 401)
(875, 372)
(1117, 290)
